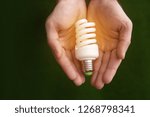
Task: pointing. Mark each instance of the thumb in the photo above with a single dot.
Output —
(124, 39)
(53, 40)
(61, 57)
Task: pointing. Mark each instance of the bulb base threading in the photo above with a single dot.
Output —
(87, 65)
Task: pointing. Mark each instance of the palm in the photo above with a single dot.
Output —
(65, 18)
(62, 21)
(107, 24)
(110, 20)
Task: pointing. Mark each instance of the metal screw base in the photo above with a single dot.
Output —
(87, 65)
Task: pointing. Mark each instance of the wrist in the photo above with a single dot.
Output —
(69, 0)
(103, 1)
(76, 2)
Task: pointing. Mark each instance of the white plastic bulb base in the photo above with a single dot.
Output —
(87, 54)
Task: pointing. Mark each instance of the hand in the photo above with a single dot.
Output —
(61, 36)
(113, 30)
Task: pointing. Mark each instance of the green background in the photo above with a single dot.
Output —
(29, 70)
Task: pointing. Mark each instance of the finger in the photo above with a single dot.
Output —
(112, 67)
(78, 66)
(96, 67)
(124, 39)
(79, 79)
(105, 60)
(70, 69)
(61, 57)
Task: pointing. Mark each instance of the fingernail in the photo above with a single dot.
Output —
(78, 81)
(100, 86)
(83, 80)
(73, 76)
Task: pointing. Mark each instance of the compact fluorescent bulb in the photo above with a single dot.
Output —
(86, 49)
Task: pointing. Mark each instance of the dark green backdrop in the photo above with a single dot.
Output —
(29, 71)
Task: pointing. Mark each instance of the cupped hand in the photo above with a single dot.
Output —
(61, 36)
(113, 30)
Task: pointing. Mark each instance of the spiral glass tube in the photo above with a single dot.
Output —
(86, 49)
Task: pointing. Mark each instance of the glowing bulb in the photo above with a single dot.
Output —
(86, 49)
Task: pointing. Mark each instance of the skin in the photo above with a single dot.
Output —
(61, 36)
(113, 30)
(113, 35)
